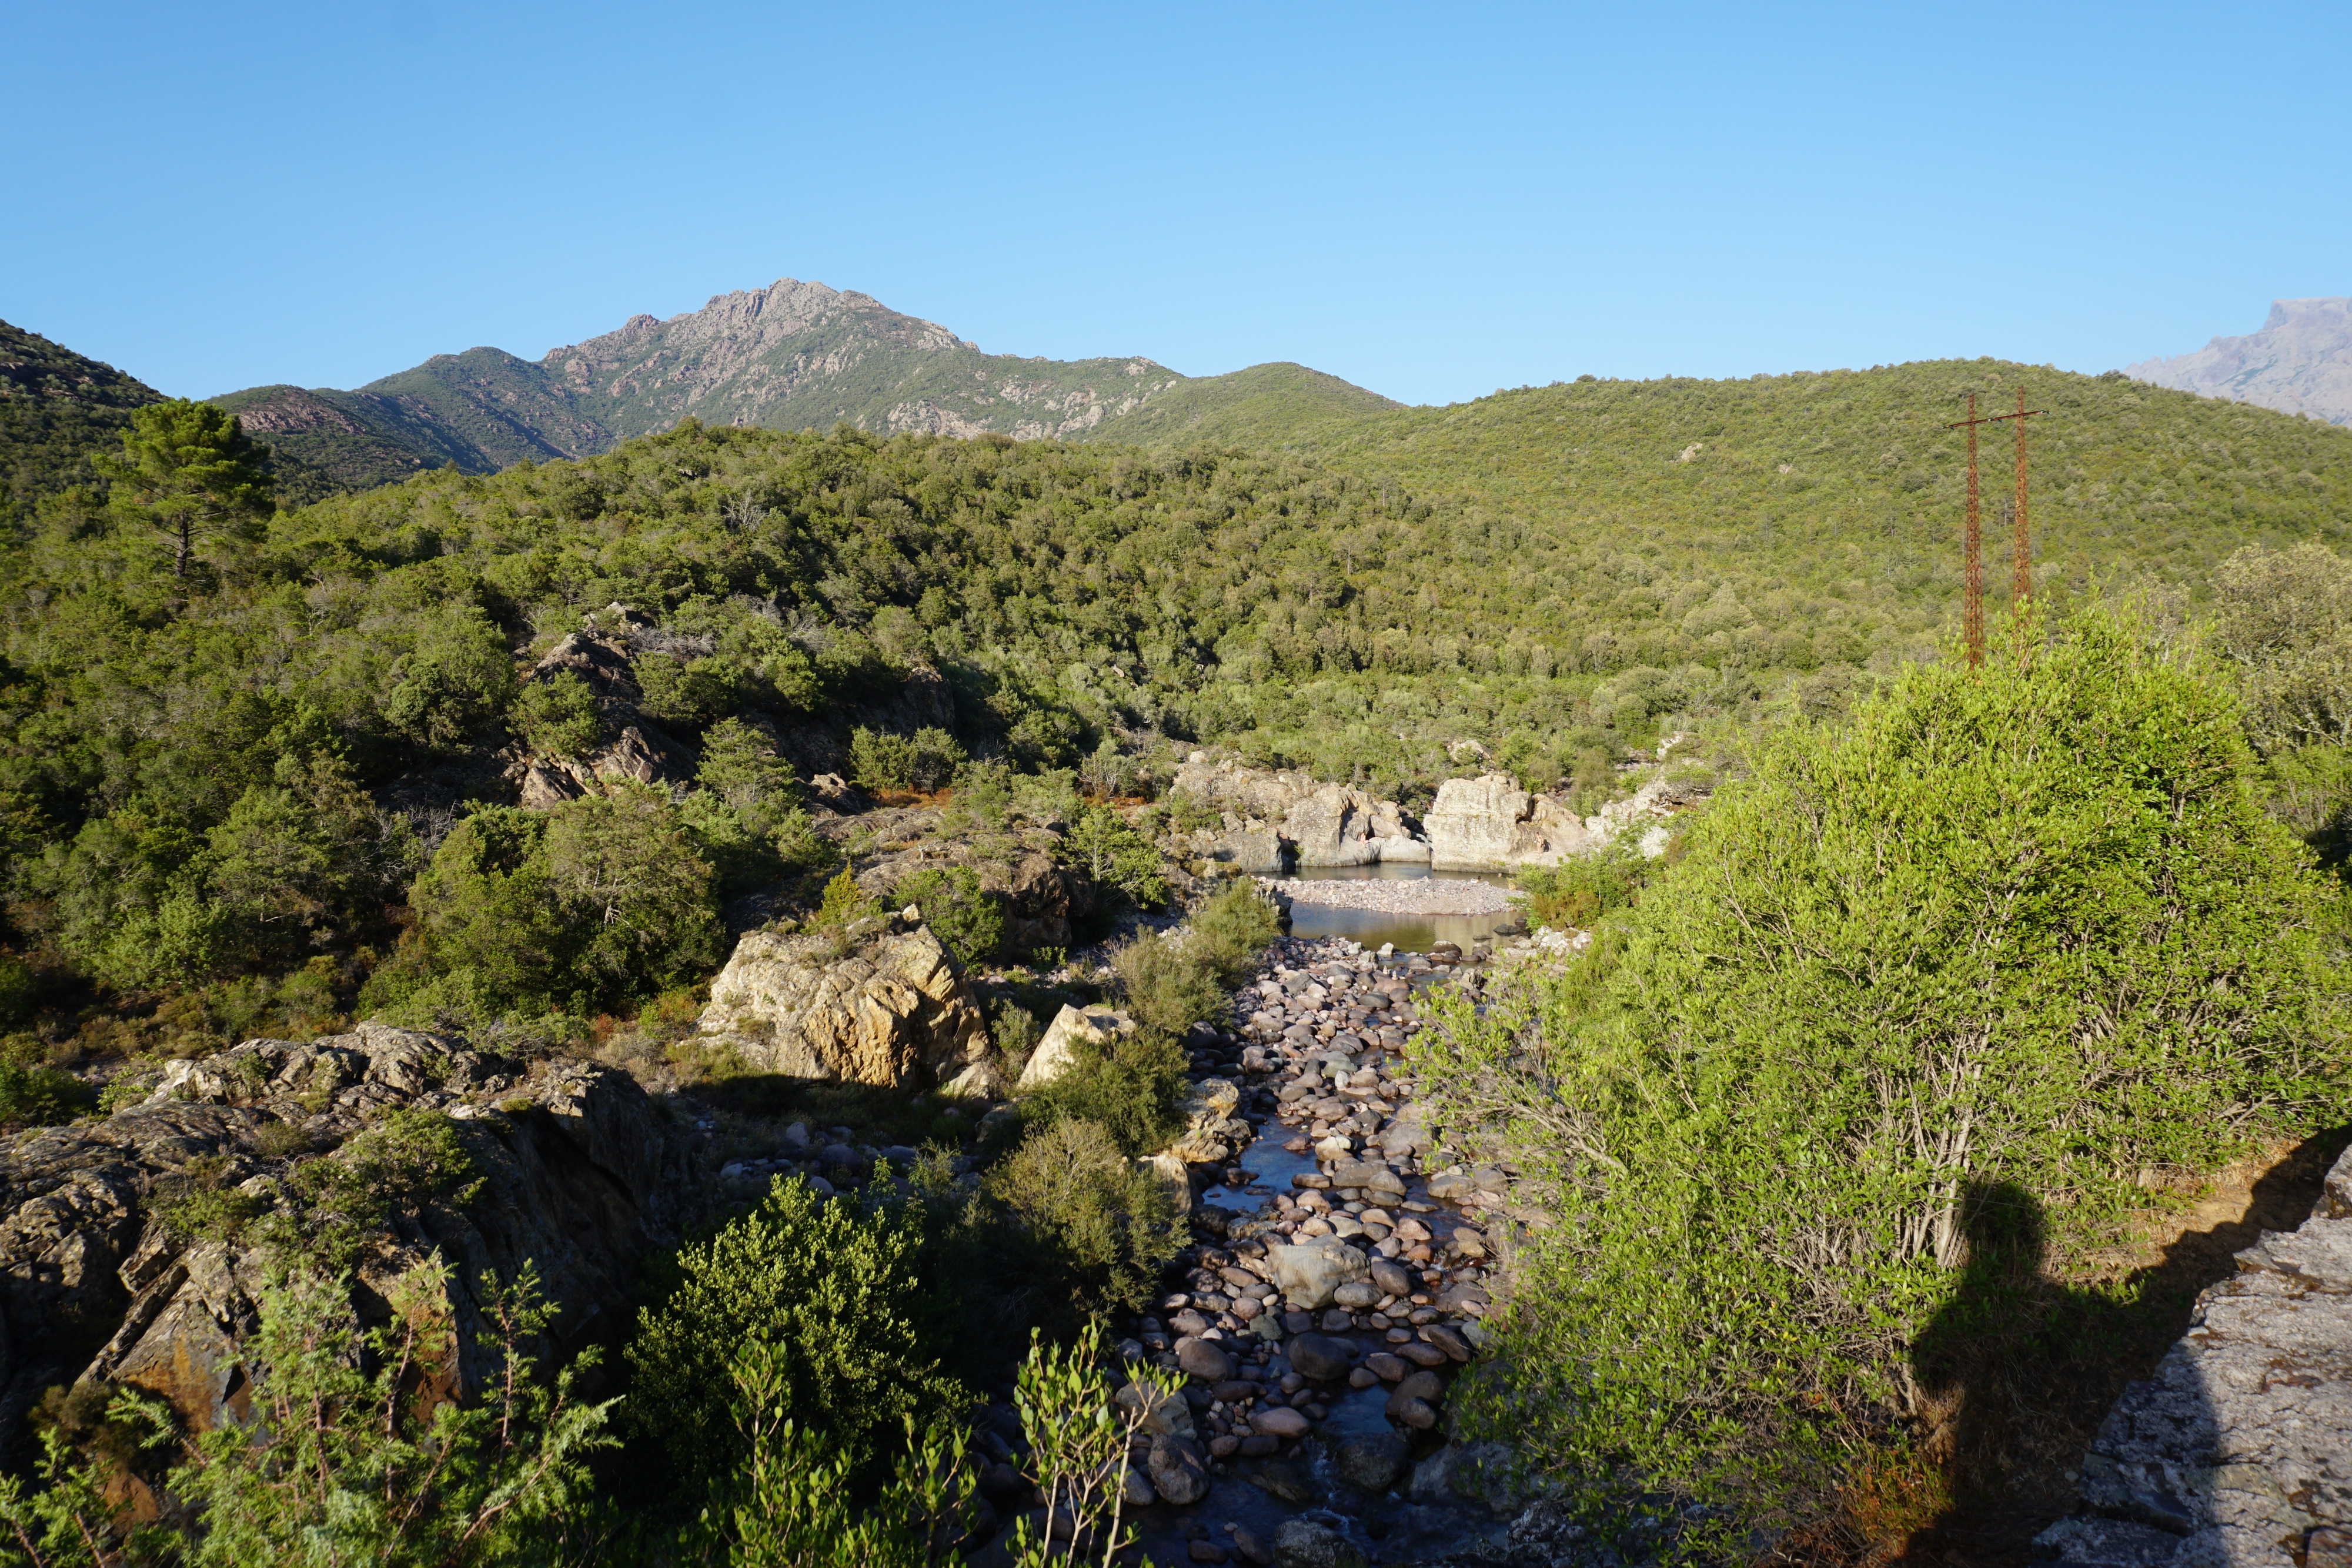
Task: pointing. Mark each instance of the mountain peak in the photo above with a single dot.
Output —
(2300, 361)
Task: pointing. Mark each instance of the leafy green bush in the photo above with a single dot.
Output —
(882, 761)
(739, 766)
(690, 693)
(834, 1287)
(965, 916)
(845, 904)
(1133, 1088)
(2019, 929)
(556, 716)
(36, 1096)
(454, 680)
(596, 901)
(1231, 931)
(1106, 1226)
(1582, 888)
(345, 1465)
(1169, 986)
(1117, 857)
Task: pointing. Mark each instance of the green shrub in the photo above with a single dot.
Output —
(556, 716)
(1232, 930)
(1169, 986)
(18, 989)
(965, 915)
(1117, 857)
(688, 693)
(33, 1096)
(739, 766)
(404, 1162)
(833, 1286)
(2022, 929)
(597, 901)
(1582, 888)
(1134, 1089)
(845, 904)
(343, 1462)
(882, 761)
(1106, 1224)
(879, 760)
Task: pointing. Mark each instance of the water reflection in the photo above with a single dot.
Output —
(1270, 1169)
(1407, 932)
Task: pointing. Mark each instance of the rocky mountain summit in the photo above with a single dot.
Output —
(2300, 361)
(793, 356)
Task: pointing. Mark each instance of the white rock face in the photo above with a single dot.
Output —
(1057, 1052)
(895, 1011)
(1475, 821)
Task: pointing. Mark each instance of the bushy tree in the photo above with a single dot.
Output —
(189, 473)
(967, 919)
(556, 716)
(832, 1286)
(2025, 928)
(595, 901)
(455, 678)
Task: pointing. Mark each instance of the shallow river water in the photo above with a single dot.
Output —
(1408, 932)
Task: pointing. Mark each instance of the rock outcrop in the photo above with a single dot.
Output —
(1485, 823)
(892, 1009)
(636, 748)
(1271, 817)
(95, 1285)
(2239, 1450)
(1489, 823)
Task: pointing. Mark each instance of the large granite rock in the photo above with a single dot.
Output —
(1489, 823)
(1272, 817)
(574, 1162)
(1475, 822)
(894, 1010)
(1213, 1130)
(2239, 1450)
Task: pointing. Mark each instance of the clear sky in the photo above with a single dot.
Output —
(1433, 201)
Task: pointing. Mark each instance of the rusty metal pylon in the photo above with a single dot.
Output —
(2021, 561)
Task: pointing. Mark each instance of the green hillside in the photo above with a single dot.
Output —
(1834, 500)
(483, 409)
(56, 408)
(1276, 404)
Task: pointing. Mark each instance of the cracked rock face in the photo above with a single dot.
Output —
(894, 1011)
(95, 1287)
(2239, 1450)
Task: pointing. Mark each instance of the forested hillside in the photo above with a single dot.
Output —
(56, 408)
(1546, 575)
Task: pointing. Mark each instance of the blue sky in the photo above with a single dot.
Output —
(1431, 200)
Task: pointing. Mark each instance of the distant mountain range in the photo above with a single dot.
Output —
(793, 356)
(2299, 363)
